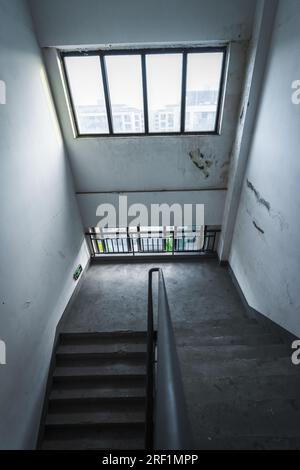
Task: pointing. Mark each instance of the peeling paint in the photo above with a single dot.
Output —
(259, 199)
(257, 227)
(199, 160)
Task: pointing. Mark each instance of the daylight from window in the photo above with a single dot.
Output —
(202, 91)
(161, 90)
(124, 74)
(164, 74)
(86, 86)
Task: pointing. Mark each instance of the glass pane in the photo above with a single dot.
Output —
(202, 90)
(124, 74)
(164, 75)
(86, 86)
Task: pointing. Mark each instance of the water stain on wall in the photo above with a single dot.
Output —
(201, 162)
(225, 171)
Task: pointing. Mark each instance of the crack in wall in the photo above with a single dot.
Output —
(259, 199)
(258, 227)
(275, 215)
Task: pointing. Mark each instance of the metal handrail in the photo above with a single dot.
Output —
(167, 423)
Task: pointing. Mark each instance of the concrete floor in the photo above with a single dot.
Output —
(114, 296)
(240, 385)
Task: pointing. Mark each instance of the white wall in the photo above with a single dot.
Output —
(91, 22)
(256, 64)
(265, 254)
(148, 163)
(41, 239)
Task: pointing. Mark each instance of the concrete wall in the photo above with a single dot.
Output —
(265, 249)
(41, 240)
(148, 163)
(256, 63)
(89, 22)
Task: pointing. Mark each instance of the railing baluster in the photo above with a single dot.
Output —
(168, 241)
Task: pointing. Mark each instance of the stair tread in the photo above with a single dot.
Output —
(214, 339)
(240, 351)
(112, 369)
(231, 367)
(106, 393)
(248, 417)
(212, 389)
(94, 436)
(103, 337)
(97, 405)
(101, 417)
(244, 442)
(92, 348)
(82, 443)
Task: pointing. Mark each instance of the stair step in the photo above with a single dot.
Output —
(224, 352)
(94, 358)
(105, 347)
(84, 443)
(224, 340)
(112, 392)
(109, 366)
(99, 381)
(115, 337)
(104, 417)
(83, 437)
(248, 417)
(96, 404)
(255, 442)
(205, 390)
(198, 365)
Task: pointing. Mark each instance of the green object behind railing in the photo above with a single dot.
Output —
(169, 244)
(100, 246)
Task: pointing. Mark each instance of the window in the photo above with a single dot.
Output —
(146, 92)
(203, 78)
(86, 87)
(164, 74)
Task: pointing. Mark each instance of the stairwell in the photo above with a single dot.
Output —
(97, 393)
(241, 387)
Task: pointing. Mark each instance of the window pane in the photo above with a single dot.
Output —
(124, 74)
(164, 74)
(86, 87)
(202, 90)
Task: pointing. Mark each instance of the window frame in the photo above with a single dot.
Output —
(101, 53)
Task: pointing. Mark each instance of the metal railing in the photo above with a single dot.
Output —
(167, 423)
(152, 240)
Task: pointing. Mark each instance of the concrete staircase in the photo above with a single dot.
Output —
(97, 395)
(244, 383)
(242, 390)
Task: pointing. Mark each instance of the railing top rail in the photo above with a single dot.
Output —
(171, 424)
